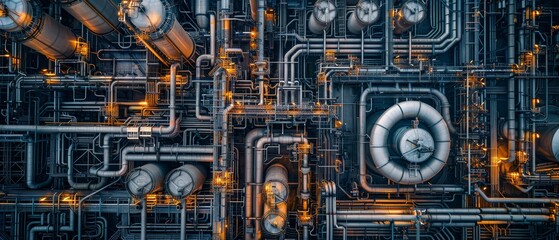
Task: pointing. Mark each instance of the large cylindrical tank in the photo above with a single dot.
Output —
(366, 13)
(274, 219)
(276, 184)
(101, 17)
(157, 19)
(422, 150)
(145, 179)
(37, 30)
(323, 14)
(412, 12)
(548, 144)
(276, 193)
(185, 180)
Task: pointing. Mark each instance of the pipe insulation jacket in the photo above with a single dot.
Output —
(426, 168)
(101, 17)
(157, 19)
(37, 30)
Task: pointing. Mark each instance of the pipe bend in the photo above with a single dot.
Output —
(398, 171)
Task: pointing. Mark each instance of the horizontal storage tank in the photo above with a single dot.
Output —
(274, 219)
(276, 192)
(157, 19)
(412, 12)
(548, 144)
(185, 180)
(323, 14)
(101, 17)
(145, 179)
(421, 153)
(366, 13)
(276, 184)
(37, 30)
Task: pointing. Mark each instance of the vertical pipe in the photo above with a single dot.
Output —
(511, 87)
(260, 64)
(183, 219)
(143, 220)
(249, 143)
(388, 34)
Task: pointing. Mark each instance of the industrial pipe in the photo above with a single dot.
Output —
(101, 17)
(259, 168)
(30, 167)
(429, 153)
(249, 173)
(201, 8)
(363, 123)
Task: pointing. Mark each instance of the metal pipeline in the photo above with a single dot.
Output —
(50, 228)
(167, 131)
(176, 154)
(260, 60)
(199, 60)
(88, 185)
(363, 123)
(101, 17)
(30, 167)
(249, 172)
(514, 200)
(201, 8)
(143, 220)
(259, 169)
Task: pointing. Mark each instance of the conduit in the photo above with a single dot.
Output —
(259, 169)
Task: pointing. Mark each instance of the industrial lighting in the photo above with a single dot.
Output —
(43, 199)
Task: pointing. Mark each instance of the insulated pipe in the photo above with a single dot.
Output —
(101, 17)
(379, 143)
(514, 200)
(363, 123)
(30, 167)
(156, 18)
(324, 12)
(249, 173)
(259, 169)
(201, 8)
(37, 30)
